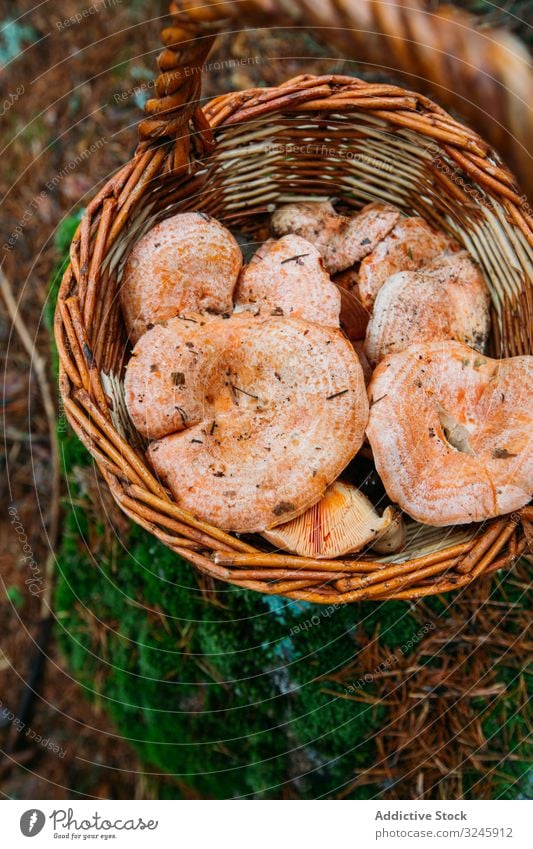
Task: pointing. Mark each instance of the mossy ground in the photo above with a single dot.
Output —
(228, 691)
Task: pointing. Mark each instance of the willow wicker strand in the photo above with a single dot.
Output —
(446, 50)
(178, 166)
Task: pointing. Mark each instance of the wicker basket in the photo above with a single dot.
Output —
(311, 137)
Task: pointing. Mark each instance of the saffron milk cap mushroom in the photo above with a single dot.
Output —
(284, 409)
(342, 240)
(343, 521)
(411, 245)
(450, 432)
(166, 367)
(446, 300)
(189, 262)
(286, 277)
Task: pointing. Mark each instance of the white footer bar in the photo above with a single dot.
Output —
(267, 824)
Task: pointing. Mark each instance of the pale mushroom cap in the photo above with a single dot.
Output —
(343, 521)
(393, 536)
(315, 221)
(446, 300)
(285, 411)
(189, 262)
(433, 397)
(411, 245)
(166, 367)
(360, 235)
(341, 240)
(287, 278)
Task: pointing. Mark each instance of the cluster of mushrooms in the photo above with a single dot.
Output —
(257, 385)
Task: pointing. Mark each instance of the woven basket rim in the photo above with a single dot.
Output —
(213, 552)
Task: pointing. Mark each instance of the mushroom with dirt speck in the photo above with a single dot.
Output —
(188, 262)
(446, 300)
(286, 277)
(260, 438)
(445, 445)
(342, 240)
(410, 246)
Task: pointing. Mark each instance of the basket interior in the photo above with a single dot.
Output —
(354, 158)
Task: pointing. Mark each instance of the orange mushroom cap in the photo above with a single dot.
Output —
(189, 262)
(287, 278)
(450, 431)
(166, 367)
(446, 300)
(275, 409)
(411, 245)
(341, 240)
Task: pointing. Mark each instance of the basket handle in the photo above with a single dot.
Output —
(444, 50)
(187, 41)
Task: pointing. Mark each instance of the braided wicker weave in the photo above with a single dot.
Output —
(484, 72)
(244, 153)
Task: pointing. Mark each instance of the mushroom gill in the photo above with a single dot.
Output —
(343, 521)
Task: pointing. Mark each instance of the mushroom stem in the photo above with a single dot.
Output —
(393, 536)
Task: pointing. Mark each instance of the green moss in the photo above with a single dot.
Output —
(233, 698)
(15, 597)
(225, 698)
